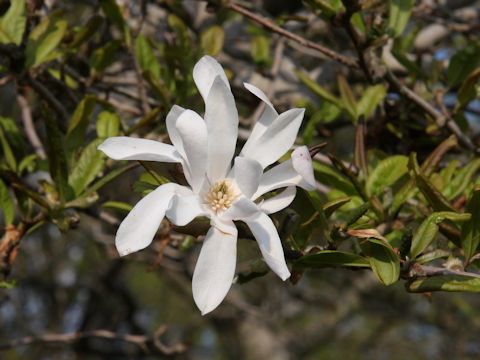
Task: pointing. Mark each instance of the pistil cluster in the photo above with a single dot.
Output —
(221, 196)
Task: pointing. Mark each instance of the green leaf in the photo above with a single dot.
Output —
(145, 56)
(327, 113)
(147, 119)
(211, 40)
(332, 178)
(434, 197)
(108, 124)
(463, 63)
(372, 97)
(86, 32)
(330, 258)
(44, 40)
(113, 12)
(78, 124)
(318, 89)
(346, 94)
(261, 50)
(469, 90)
(428, 230)
(330, 207)
(117, 205)
(386, 173)
(470, 234)
(384, 262)
(104, 56)
(112, 175)
(7, 150)
(6, 204)
(399, 13)
(460, 181)
(12, 23)
(57, 160)
(444, 283)
(87, 168)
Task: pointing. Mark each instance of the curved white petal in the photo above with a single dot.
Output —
(298, 171)
(281, 175)
(128, 148)
(193, 134)
(269, 242)
(302, 163)
(138, 229)
(276, 139)
(204, 73)
(279, 201)
(247, 173)
(267, 117)
(184, 209)
(241, 209)
(171, 121)
(221, 117)
(215, 268)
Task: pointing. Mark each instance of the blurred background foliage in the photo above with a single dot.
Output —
(392, 87)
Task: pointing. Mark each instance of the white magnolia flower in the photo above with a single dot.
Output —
(218, 190)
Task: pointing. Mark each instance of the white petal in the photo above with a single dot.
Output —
(193, 133)
(215, 269)
(281, 175)
(241, 209)
(269, 242)
(302, 163)
(267, 117)
(128, 148)
(279, 201)
(276, 139)
(298, 171)
(171, 121)
(221, 117)
(247, 173)
(184, 209)
(204, 73)
(138, 229)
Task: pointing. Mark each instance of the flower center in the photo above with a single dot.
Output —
(221, 196)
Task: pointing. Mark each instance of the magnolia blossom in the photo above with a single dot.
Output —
(222, 192)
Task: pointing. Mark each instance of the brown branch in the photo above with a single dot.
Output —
(147, 344)
(440, 118)
(30, 127)
(267, 23)
(50, 99)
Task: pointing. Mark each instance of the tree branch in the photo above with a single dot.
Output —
(348, 61)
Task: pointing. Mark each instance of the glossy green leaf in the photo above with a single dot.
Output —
(471, 229)
(470, 89)
(462, 179)
(104, 56)
(261, 50)
(330, 258)
(384, 262)
(346, 94)
(318, 89)
(87, 167)
(78, 124)
(434, 197)
(386, 173)
(428, 230)
(7, 150)
(12, 23)
(398, 15)
(44, 40)
(463, 63)
(371, 98)
(6, 204)
(211, 40)
(445, 283)
(108, 124)
(57, 159)
(86, 32)
(146, 57)
(117, 205)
